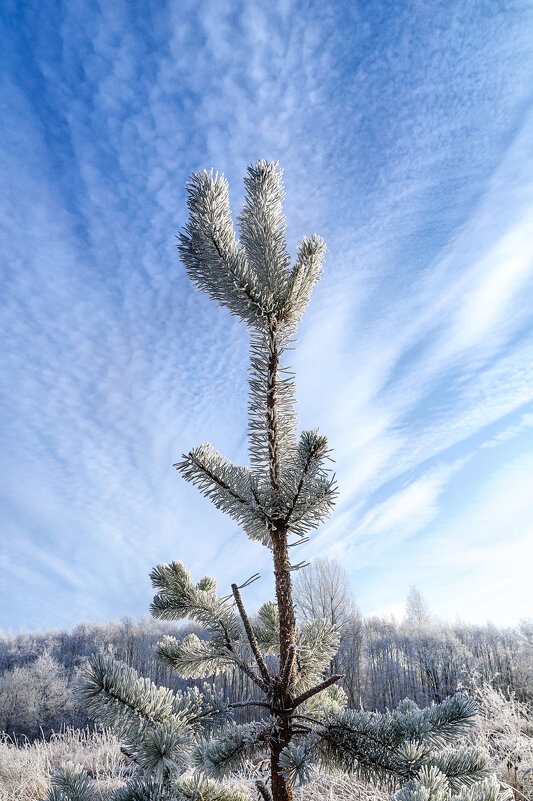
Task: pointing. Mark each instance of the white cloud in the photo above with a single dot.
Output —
(396, 611)
(445, 352)
(115, 365)
(502, 274)
(387, 523)
(525, 422)
(481, 559)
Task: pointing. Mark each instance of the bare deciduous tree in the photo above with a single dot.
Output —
(417, 608)
(322, 591)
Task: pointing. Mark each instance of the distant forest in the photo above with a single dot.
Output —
(383, 661)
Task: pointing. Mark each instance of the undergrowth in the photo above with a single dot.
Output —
(505, 730)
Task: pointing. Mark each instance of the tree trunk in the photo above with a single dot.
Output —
(287, 620)
(281, 788)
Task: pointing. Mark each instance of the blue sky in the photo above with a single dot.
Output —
(405, 133)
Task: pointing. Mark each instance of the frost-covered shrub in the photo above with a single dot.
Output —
(505, 731)
(30, 697)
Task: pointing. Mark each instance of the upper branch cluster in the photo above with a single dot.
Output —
(254, 279)
(289, 485)
(304, 495)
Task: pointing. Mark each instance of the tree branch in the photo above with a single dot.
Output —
(205, 714)
(250, 702)
(241, 663)
(129, 755)
(286, 670)
(298, 491)
(236, 280)
(249, 672)
(263, 791)
(272, 424)
(214, 478)
(317, 689)
(127, 704)
(344, 727)
(260, 505)
(250, 634)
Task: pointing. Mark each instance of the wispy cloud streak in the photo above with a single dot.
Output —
(398, 148)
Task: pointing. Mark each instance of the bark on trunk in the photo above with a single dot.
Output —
(287, 620)
(272, 424)
(281, 789)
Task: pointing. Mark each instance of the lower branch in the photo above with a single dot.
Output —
(262, 790)
(318, 689)
(247, 669)
(250, 634)
(250, 702)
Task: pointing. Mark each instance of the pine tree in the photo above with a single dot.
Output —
(286, 493)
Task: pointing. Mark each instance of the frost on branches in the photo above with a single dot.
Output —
(185, 744)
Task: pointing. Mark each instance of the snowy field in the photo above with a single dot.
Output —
(25, 769)
(505, 730)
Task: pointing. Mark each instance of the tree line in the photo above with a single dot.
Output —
(383, 660)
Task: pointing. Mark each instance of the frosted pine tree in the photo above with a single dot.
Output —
(287, 492)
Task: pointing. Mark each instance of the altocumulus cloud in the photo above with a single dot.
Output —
(406, 140)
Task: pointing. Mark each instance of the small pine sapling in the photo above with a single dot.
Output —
(159, 729)
(286, 493)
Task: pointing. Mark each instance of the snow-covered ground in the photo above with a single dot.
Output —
(505, 730)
